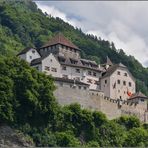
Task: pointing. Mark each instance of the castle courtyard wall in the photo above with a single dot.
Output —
(95, 100)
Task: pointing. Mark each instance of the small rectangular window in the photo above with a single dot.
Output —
(64, 68)
(118, 72)
(47, 68)
(89, 81)
(130, 84)
(65, 76)
(94, 74)
(89, 72)
(125, 74)
(77, 70)
(124, 82)
(53, 69)
(118, 81)
(84, 88)
(105, 81)
(33, 51)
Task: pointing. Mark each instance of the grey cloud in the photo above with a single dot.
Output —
(124, 23)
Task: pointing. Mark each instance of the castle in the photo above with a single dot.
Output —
(107, 87)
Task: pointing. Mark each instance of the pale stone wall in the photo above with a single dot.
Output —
(95, 100)
(110, 108)
(120, 90)
(66, 94)
(105, 86)
(51, 62)
(69, 52)
(31, 55)
(82, 75)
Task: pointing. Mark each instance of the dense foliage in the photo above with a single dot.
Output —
(22, 24)
(27, 103)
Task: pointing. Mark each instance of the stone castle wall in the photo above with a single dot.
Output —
(95, 100)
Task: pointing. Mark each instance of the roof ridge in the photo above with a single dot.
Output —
(59, 38)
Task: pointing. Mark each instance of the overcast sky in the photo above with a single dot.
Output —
(125, 23)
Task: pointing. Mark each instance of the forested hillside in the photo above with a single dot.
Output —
(22, 24)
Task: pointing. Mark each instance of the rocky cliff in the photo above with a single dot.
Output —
(12, 138)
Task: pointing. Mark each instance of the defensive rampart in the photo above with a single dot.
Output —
(95, 100)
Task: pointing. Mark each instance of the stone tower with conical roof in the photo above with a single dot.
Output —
(108, 63)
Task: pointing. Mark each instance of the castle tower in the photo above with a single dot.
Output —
(108, 63)
(61, 46)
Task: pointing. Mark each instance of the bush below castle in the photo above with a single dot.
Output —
(27, 104)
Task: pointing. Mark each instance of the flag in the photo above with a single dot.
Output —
(129, 93)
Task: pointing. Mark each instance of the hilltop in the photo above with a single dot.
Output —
(22, 25)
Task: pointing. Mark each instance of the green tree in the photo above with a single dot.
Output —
(136, 137)
(128, 122)
(111, 134)
(25, 91)
(67, 139)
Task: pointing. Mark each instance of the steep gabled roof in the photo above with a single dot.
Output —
(113, 68)
(60, 39)
(108, 62)
(25, 50)
(38, 60)
(78, 63)
(138, 95)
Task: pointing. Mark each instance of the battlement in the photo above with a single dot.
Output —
(95, 100)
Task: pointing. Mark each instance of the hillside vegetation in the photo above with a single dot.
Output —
(28, 105)
(22, 24)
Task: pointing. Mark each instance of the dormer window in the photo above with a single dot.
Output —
(73, 61)
(33, 51)
(77, 70)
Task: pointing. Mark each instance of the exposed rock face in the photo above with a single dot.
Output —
(11, 138)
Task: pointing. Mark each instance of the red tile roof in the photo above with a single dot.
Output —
(60, 39)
